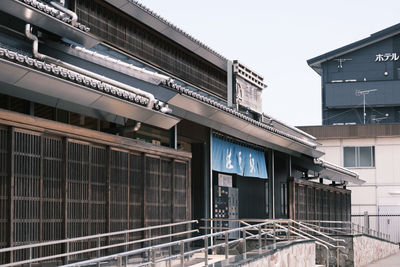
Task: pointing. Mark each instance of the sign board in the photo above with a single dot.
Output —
(234, 158)
(386, 57)
(224, 180)
(248, 95)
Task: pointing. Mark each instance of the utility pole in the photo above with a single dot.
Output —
(363, 93)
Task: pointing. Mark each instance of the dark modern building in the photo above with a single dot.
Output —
(112, 118)
(367, 68)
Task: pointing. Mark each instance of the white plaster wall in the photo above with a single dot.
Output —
(332, 154)
(363, 195)
(367, 250)
(381, 181)
(388, 164)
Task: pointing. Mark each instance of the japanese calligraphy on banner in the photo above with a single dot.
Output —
(248, 95)
(233, 158)
(387, 57)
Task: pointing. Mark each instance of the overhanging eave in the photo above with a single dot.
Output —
(42, 83)
(210, 116)
(41, 19)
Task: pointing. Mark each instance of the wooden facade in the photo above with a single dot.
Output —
(140, 41)
(315, 201)
(60, 181)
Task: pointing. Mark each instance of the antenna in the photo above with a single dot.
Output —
(363, 93)
(341, 61)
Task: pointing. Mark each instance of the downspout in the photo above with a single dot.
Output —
(73, 15)
(36, 54)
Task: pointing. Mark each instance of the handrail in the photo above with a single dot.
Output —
(320, 233)
(174, 243)
(68, 240)
(332, 229)
(97, 248)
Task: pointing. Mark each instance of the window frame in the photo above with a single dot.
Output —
(357, 157)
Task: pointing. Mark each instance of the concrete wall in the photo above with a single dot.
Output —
(367, 249)
(296, 255)
(359, 250)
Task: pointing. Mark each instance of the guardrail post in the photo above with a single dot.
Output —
(98, 251)
(274, 231)
(226, 245)
(337, 254)
(126, 241)
(30, 256)
(182, 247)
(67, 249)
(151, 242)
(244, 241)
(170, 247)
(206, 251)
(153, 257)
(288, 233)
(327, 257)
(259, 239)
(119, 260)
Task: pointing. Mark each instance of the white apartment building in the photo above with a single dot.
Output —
(373, 152)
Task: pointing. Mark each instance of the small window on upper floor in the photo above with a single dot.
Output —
(363, 156)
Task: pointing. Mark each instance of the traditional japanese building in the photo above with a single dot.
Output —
(113, 118)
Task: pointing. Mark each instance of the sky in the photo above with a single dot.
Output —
(276, 38)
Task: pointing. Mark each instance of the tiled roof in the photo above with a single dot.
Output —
(72, 76)
(54, 12)
(176, 28)
(205, 99)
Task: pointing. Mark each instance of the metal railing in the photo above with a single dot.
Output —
(264, 232)
(97, 239)
(296, 228)
(345, 228)
(244, 234)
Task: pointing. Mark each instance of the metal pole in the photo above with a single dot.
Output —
(182, 254)
(98, 251)
(273, 182)
(206, 251)
(364, 107)
(327, 257)
(153, 257)
(30, 256)
(259, 239)
(337, 254)
(226, 245)
(244, 242)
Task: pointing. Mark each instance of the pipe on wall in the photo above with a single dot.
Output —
(36, 54)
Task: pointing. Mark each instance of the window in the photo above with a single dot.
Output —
(363, 156)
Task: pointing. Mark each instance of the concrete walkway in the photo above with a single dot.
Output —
(391, 261)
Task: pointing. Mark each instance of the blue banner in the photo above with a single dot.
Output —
(232, 158)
